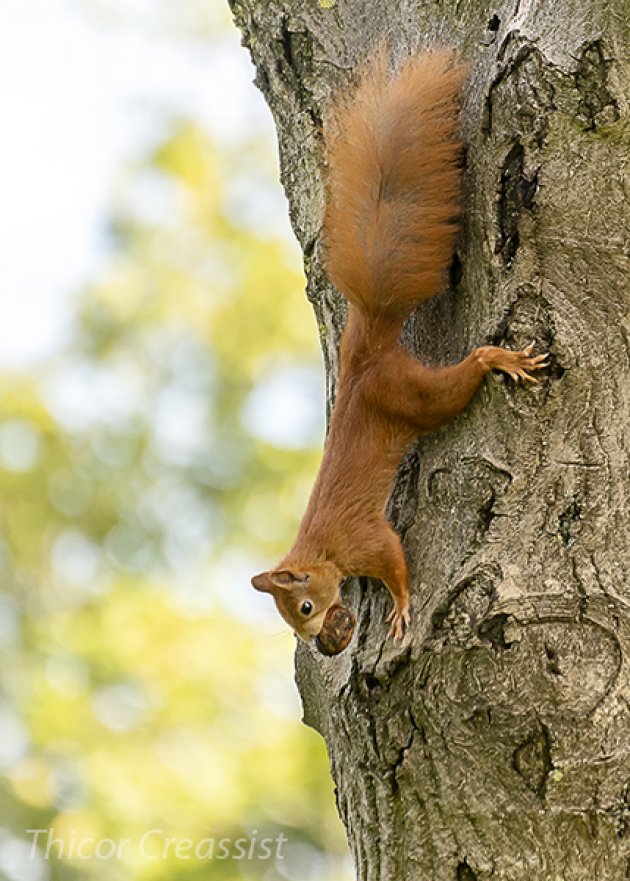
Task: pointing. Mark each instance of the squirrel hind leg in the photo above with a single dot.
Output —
(426, 398)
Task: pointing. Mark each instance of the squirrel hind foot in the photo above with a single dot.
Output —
(518, 365)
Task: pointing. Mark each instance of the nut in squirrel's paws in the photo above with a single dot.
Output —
(336, 631)
(398, 619)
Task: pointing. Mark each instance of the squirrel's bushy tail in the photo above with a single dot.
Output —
(393, 184)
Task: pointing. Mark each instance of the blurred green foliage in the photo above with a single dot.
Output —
(141, 687)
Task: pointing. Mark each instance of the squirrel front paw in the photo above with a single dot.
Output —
(398, 619)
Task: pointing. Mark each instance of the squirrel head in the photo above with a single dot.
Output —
(302, 595)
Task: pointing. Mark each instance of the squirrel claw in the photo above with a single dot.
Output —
(519, 365)
(398, 619)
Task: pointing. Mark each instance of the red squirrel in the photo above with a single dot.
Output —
(391, 215)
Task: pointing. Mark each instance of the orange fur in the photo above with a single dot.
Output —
(393, 183)
(392, 201)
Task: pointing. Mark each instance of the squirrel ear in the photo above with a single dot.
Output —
(262, 582)
(286, 578)
(281, 578)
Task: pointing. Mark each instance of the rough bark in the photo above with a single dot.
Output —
(494, 742)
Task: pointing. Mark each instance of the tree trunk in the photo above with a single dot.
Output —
(493, 743)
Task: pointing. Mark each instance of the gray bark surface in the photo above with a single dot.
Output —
(494, 742)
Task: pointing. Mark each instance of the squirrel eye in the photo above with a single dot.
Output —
(306, 608)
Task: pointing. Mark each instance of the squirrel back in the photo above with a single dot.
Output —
(393, 183)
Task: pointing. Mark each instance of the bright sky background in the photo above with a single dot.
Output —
(87, 87)
(82, 92)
